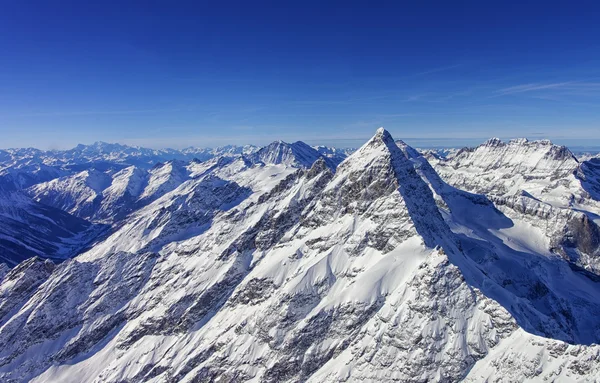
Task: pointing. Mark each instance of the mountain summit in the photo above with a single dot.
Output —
(297, 154)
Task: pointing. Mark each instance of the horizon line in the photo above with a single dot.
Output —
(576, 143)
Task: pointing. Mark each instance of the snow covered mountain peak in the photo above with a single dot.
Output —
(381, 140)
(518, 141)
(518, 159)
(535, 182)
(494, 141)
(381, 131)
(383, 134)
(379, 148)
(383, 146)
(381, 171)
(296, 154)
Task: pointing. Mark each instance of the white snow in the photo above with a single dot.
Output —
(269, 266)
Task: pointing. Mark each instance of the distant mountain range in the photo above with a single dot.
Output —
(292, 263)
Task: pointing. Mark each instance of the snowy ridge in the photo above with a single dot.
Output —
(78, 194)
(107, 194)
(506, 167)
(540, 184)
(296, 154)
(163, 178)
(23, 175)
(103, 197)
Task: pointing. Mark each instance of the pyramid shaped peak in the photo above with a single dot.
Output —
(380, 148)
(382, 139)
(381, 133)
(382, 171)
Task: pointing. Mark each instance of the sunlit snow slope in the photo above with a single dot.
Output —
(281, 267)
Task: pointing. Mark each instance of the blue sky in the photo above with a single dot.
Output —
(158, 74)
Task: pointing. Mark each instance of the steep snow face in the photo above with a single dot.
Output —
(512, 260)
(18, 285)
(28, 229)
(163, 178)
(589, 175)
(381, 167)
(79, 194)
(251, 271)
(101, 197)
(431, 328)
(297, 154)
(539, 184)
(118, 199)
(199, 168)
(500, 168)
(184, 213)
(523, 357)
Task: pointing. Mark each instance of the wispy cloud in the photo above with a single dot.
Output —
(566, 86)
(436, 70)
(531, 87)
(393, 96)
(72, 113)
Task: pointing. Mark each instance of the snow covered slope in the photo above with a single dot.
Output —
(262, 271)
(79, 194)
(502, 168)
(538, 184)
(104, 197)
(29, 167)
(107, 196)
(296, 154)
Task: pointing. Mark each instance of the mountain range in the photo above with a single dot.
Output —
(292, 263)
